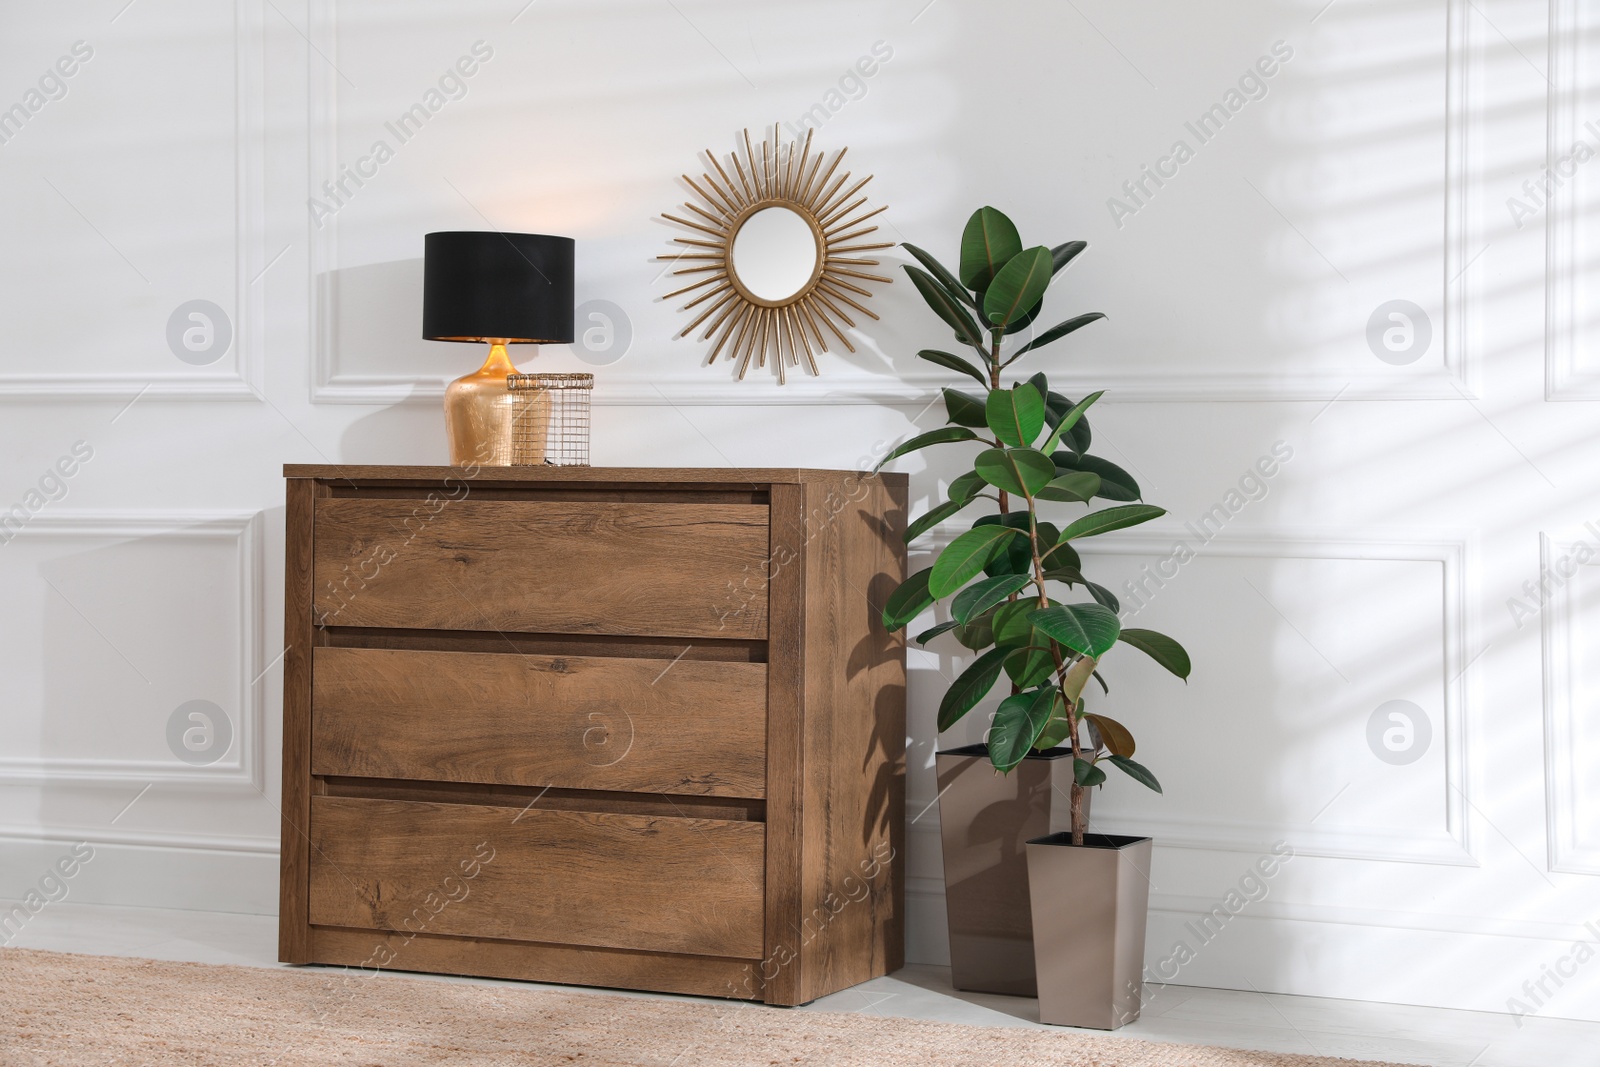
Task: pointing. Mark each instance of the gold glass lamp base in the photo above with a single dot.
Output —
(481, 415)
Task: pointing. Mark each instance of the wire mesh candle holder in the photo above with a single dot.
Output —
(550, 419)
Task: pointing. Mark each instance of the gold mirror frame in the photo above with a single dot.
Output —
(787, 175)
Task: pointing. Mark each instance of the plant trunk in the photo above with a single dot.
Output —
(1079, 823)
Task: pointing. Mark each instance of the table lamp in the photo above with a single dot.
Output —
(503, 289)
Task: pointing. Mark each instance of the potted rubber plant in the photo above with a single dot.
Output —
(1005, 580)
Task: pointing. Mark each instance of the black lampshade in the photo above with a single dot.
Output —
(479, 285)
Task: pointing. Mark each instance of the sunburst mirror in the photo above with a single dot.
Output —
(777, 243)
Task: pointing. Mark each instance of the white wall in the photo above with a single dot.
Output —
(1377, 166)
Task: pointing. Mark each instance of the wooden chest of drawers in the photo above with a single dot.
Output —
(610, 726)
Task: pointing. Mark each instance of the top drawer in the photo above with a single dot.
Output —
(662, 570)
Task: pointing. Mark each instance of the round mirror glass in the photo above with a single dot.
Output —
(774, 254)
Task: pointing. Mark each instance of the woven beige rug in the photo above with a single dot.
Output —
(74, 1011)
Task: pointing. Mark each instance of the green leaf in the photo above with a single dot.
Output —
(1088, 629)
(1018, 722)
(1016, 415)
(1104, 596)
(979, 597)
(1079, 438)
(1016, 558)
(1011, 626)
(1063, 254)
(1056, 332)
(1017, 288)
(941, 274)
(1020, 323)
(971, 686)
(1115, 483)
(1069, 420)
(1108, 519)
(1137, 772)
(978, 634)
(1116, 737)
(1087, 774)
(1057, 730)
(932, 518)
(1030, 666)
(1078, 487)
(988, 242)
(955, 363)
(964, 408)
(1016, 470)
(940, 436)
(966, 487)
(946, 307)
(964, 557)
(1041, 384)
(928, 635)
(1161, 648)
(910, 599)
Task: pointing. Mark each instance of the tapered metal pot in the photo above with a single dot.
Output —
(985, 822)
(1090, 903)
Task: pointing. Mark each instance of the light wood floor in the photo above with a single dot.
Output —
(1431, 1036)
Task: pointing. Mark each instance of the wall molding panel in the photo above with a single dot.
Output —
(244, 772)
(251, 257)
(1453, 843)
(1459, 245)
(1564, 335)
(1562, 705)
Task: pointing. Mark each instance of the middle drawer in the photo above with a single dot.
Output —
(573, 722)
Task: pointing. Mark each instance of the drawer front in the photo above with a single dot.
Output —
(640, 882)
(667, 570)
(573, 722)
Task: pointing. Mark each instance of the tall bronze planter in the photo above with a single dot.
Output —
(985, 822)
(1090, 903)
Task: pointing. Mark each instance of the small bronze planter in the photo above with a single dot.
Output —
(1090, 903)
(985, 822)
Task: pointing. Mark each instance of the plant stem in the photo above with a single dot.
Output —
(994, 383)
(1079, 823)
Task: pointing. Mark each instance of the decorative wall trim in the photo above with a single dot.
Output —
(144, 839)
(1563, 335)
(249, 259)
(1459, 378)
(1561, 707)
(1278, 910)
(245, 771)
(1451, 845)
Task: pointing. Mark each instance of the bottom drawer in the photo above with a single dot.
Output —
(567, 877)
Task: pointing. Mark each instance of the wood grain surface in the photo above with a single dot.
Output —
(638, 882)
(670, 570)
(663, 972)
(294, 846)
(576, 722)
